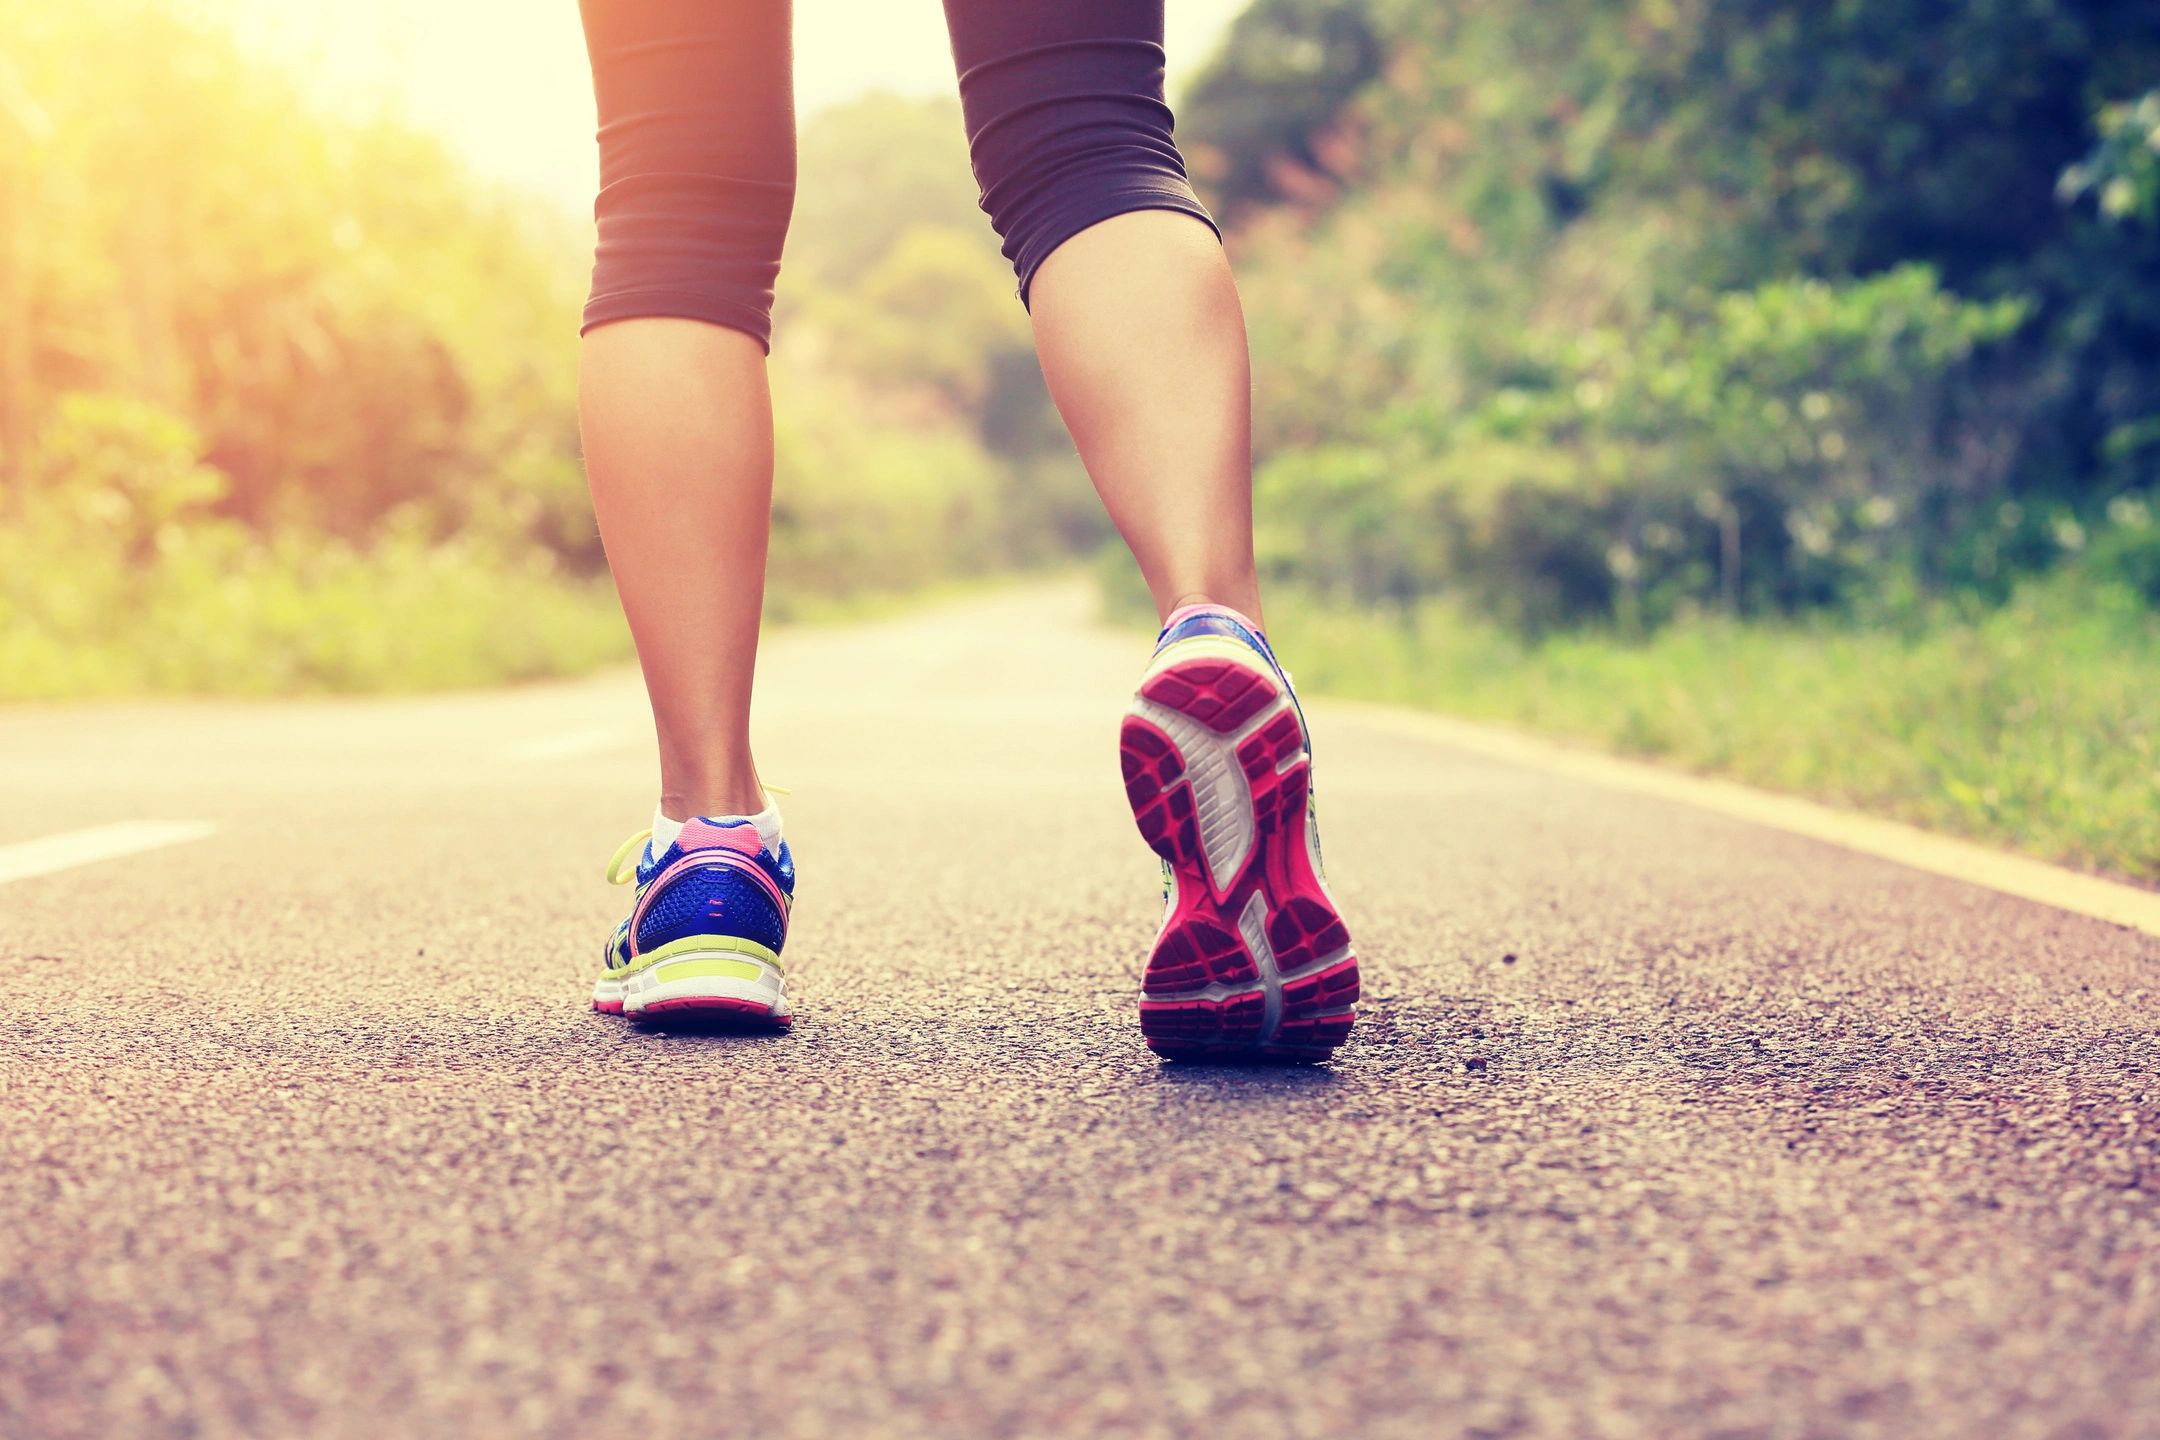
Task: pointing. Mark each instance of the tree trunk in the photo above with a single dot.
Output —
(1729, 556)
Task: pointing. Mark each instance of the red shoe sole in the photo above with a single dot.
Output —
(1256, 965)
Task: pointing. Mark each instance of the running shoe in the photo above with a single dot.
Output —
(704, 935)
(1253, 961)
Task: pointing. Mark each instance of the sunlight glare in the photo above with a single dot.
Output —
(505, 80)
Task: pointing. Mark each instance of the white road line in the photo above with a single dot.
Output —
(2017, 875)
(65, 851)
(570, 744)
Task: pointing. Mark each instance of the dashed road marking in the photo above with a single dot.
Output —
(48, 854)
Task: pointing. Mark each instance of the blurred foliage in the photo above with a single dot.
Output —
(1577, 490)
(905, 373)
(1608, 311)
(2123, 171)
(118, 575)
(1256, 123)
(256, 353)
(349, 322)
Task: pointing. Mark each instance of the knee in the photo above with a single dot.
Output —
(1066, 134)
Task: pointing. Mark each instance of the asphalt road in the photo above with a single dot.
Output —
(1655, 1124)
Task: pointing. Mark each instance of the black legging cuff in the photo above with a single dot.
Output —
(752, 318)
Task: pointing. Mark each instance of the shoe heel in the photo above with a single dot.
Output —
(716, 983)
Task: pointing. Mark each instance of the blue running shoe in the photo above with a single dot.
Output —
(1252, 961)
(704, 936)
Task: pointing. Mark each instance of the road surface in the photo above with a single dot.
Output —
(1655, 1124)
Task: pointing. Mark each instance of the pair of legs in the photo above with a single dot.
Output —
(1135, 318)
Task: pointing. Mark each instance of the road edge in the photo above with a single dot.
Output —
(1963, 860)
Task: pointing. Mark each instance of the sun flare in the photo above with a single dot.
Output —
(505, 80)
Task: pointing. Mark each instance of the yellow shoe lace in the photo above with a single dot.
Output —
(617, 875)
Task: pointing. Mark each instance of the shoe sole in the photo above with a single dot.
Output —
(724, 988)
(1253, 962)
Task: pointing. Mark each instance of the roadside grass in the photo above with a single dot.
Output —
(2035, 725)
(211, 610)
(289, 617)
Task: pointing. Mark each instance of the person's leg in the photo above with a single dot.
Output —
(678, 451)
(697, 171)
(697, 165)
(1136, 317)
(1143, 343)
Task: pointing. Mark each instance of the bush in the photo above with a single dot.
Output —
(1766, 449)
(349, 365)
(1614, 310)
(116, 578)
(2128, 550)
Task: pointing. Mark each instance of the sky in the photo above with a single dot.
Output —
(505, 80)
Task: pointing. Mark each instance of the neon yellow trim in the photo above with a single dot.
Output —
(692, 969)
(698, 945)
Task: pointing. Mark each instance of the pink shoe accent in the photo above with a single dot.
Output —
(703, 835)
(1206, 995)
(1207, 608)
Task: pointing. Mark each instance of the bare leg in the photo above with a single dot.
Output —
(677, 420)
(1142, 340)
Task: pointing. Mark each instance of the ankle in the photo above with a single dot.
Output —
(734, 793)
(1243, 601)
(708, 779)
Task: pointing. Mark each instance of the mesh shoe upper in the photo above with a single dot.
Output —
(716, 879)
